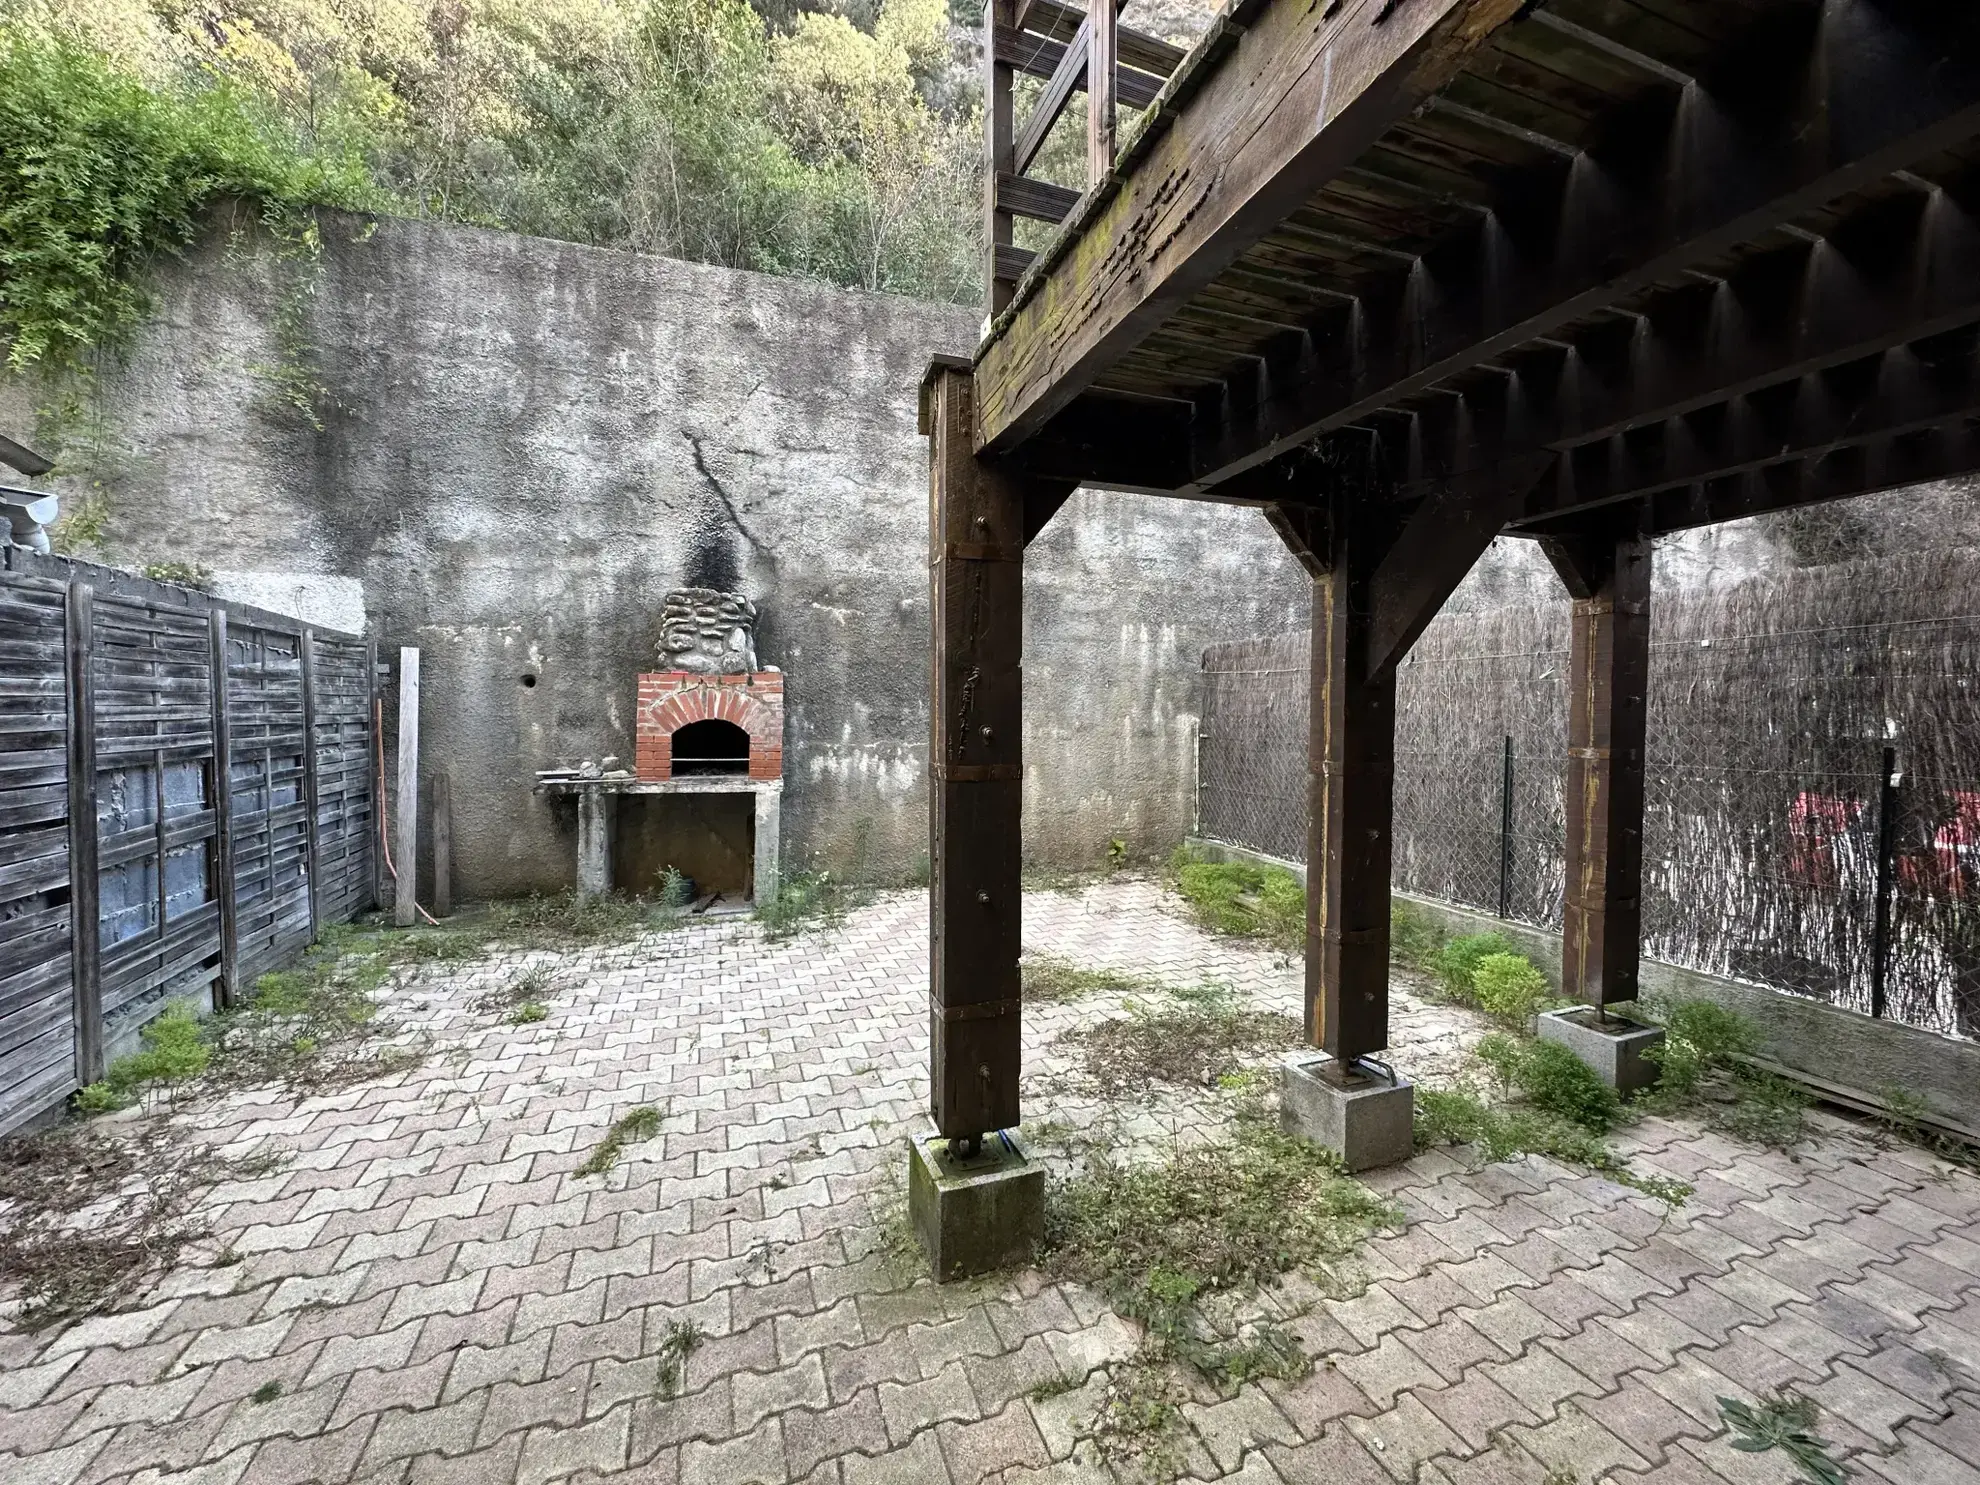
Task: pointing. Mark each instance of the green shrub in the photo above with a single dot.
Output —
(1700, 1037)
(1414, 939)
(100, 175)
(1554, 1079)
(1458, 960)
(174, 1052)
(1509, 987)
(676, 891)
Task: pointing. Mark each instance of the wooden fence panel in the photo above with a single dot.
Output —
(272, 919)
(37, 1005)
(157, 834)
(157, 824)
(347, 825)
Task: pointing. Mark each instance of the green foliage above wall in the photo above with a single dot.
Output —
(99, 174)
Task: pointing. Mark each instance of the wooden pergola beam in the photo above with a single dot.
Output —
(1808, 118)
(1893, 462)
(1884, 397)
(1306, 90)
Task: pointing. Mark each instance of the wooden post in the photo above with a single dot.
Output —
(85, 931)
(406, 904)
(1103, 51)
(997, 140)
(976, 770)
(1608, 574)
(1351, 758)
(312, 823)
(443, 847)
(223, 810)
(374, 771)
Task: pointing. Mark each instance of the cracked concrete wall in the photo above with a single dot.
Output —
(525, 443)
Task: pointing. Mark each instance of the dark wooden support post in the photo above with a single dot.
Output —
(1102, 80)
(312, 822)
(443, 846)
(86, 940)
(1608, 573)
(1351, 756)
(976, 769)
(997, 138)
(223, 810)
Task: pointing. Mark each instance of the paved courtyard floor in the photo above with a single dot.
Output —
(426, 1290)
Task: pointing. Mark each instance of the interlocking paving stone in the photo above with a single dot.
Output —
(442, 1299)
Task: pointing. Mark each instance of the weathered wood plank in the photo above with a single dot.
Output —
(1305, 92)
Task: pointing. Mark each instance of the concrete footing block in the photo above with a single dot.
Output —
(1363, 1118)
(1611, 1045)
(977, 1214)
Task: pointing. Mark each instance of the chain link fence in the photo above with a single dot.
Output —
(1812, 816)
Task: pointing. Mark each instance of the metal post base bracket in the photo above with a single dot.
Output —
(1610, 1045)
(978, 1214)
(1365, 1119)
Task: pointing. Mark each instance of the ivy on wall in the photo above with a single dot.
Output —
(99, 175)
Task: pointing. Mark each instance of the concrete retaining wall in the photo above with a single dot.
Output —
(525, 443)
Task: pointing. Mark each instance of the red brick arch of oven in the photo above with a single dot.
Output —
(727, 703)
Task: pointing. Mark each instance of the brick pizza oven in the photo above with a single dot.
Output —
(691, 725)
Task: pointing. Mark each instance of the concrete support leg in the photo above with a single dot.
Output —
(975, 1213)
(1608, 574)
(767, 867)
(597, 813)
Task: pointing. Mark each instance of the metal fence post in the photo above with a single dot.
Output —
(1880, 932)
(1505, 830)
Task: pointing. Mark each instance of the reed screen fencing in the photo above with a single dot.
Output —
(1813, 776)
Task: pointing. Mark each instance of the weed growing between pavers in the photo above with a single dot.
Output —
(1227, 1217)
(1179, 1244)
(638, 1126)
(1703, 1069)
(807, 900)
(1139, 1425)
(1458, 1116)
(1787, 1423)
(680, 1341)
(1242, 900)
(85, 1218)
(566, 920)
(1047, 977)
(1198, 1038)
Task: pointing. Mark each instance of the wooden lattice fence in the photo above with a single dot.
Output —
(136, 868)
